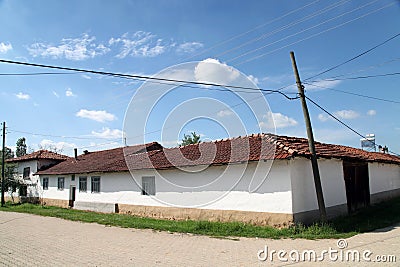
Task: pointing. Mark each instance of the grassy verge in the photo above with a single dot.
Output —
(374, 217)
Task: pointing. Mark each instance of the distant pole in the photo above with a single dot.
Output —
(311, 145)
(2, 165)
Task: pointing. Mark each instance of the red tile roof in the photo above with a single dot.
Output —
(111, 160)
(241, 149)
(41, 154)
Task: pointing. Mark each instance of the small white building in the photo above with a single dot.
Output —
(26, 167)
(261, 179)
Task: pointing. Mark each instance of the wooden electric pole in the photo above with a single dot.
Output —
(2, 166)
(311, 145)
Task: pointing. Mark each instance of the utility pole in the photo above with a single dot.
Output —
(2, 165)
(311, 145)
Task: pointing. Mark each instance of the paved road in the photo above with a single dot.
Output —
(30, 240)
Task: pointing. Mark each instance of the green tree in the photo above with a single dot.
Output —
(8, 154)
(9, 170)
(191, 138)
(21, 147)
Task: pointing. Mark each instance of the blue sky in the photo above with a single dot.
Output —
(87, 111)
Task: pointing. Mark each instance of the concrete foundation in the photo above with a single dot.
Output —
(172, 213)
(382, 196)
(55, 202)
(96, 206)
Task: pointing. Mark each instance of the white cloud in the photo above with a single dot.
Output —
(347, 114)
(277, 120)
(108, 133)
(96, 115)
(188, 47)
(322, 84)
(213, 71)
(55, 94)
(4, 48)
(69, 93)
(224, 113)
(59, 146)
(340, 114)
(323, 117)
(70, 48)
(253, 79)
(87, 77)
(139, 44)
(22, 96)
(371, 112)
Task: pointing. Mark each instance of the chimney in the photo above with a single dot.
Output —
(76, 153)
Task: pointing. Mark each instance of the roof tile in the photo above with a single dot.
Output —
(241, 149)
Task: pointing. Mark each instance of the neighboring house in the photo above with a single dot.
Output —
(26, 167)
(260, 179)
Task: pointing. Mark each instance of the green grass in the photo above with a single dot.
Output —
(374, 217)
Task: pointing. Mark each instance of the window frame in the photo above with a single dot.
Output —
(148, 185)
(45, 183)
(81, 180)
(26, 173)
(95, 185)
(59, 182)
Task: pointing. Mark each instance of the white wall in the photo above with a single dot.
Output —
(32, 182)
(332, 180)
(52, 191)
(218, 187)
(383, 177)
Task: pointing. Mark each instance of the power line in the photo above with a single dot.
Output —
(356, 94)
(299, 32)
(314, 35)
(366, 68)
(147, 78)
(341, 122)
(249, 31)
(61, 136)
(35, 74)
(359, 77)
(355, 57)
(265, 35)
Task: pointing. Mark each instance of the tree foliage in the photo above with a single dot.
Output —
(21, 147)
(11, 180)
(8, 153)
(191, 138)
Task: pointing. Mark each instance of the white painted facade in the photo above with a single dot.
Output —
(287, 189)
(274, 195)
(33, 182)
(332, 181)
(383, 178)
(33, 187)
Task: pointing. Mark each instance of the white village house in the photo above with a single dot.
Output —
(262, 179)
(27, 166)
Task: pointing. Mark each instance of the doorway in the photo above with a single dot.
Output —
(72, 193)
(356, 179)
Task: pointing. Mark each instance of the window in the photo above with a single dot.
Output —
(45, 183)
(73, 177)
(83, 184)
(27, 171)
(95, 184)
(148, 185)
(60, 183)
(23, 191)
